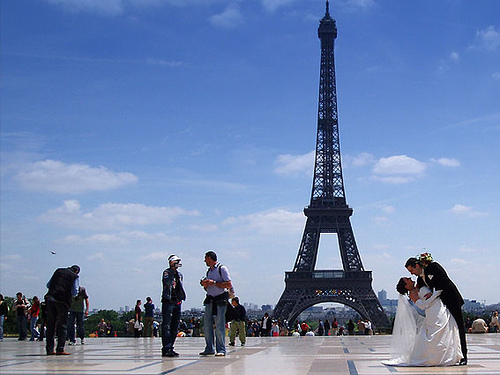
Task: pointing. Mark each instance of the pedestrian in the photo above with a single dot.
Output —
(265, 325)
(172, 296)
(21, 307)
(494, 324)
(137, 320)
(42, 320)
(149, 312)
(216, 283)
(33, 313)
(238, 324)
(78, 310)
(63, 285)
(335, 327)
(327, 327)
(350, 327)
(4, 311)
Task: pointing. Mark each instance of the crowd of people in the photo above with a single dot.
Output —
(428, 305)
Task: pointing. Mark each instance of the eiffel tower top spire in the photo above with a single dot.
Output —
(328, 185)
(327, 23)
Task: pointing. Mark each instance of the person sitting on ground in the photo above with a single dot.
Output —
(479, 326)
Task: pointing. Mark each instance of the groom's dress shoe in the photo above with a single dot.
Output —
(463, 362)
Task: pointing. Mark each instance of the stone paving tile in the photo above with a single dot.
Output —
(350, 355)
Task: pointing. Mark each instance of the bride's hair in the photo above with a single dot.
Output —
(401, 286)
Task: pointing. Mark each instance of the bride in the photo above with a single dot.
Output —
(430, 340)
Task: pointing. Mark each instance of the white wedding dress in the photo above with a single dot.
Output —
(432, 340)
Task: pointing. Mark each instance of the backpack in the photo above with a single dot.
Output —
(231, 291)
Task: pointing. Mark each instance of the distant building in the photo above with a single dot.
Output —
(382, 295)
(472, 305)
(267, 308)
(389, 305)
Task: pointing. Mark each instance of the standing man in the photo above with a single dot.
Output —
(149, 313)
(21, 306)
(433, 275)
(79, 308)
(171, 299)
(216, 283)
(238, 324)
(63, 285)
(265, 325)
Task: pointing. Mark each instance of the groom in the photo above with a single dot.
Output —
(433, 275)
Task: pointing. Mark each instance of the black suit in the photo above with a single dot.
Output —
(436, 278)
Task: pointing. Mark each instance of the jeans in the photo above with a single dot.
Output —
(170, 316)
(57, 314)
(75, 317)
(220, 329)
(34, 332)
(22, 326)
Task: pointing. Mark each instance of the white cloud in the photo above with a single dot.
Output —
(488, 38)
(113, 215)
(393, 179)
(388, 209)
(294, 164)
(462, 210)
(496, 76)
(272, 5)
(276, 221)
(230, 17)
(380, 220)
(57, 177)
(96, 256)
(472, 250)
(116, 7)
(399, 164)
(105, 7)
(363, 159)
(160, 62)
(454, 56)
(448, 162)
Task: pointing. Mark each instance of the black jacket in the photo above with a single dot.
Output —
(60, 286)
(437, 278)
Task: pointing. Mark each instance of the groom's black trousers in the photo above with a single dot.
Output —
(456, 312)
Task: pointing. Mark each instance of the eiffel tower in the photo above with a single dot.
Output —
(328, 212)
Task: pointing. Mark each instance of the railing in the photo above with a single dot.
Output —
(329, 274)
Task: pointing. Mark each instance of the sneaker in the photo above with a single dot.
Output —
(63, 353)
(71, 343)
(220, 354)
(231, 344)
(242, 344)
(168, 354)
(82, 341)
(206, 353)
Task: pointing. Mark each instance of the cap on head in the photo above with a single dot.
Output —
(174, 260)
(75, 268)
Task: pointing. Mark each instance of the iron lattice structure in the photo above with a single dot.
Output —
(328, 212)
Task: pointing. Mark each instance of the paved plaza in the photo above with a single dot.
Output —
(352, 355)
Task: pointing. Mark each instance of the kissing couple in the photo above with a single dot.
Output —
(428, 328)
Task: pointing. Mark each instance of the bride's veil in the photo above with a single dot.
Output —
(405, 329)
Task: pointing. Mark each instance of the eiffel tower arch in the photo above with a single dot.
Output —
(328, 212)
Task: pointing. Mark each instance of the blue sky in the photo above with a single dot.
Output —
(132, 130)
